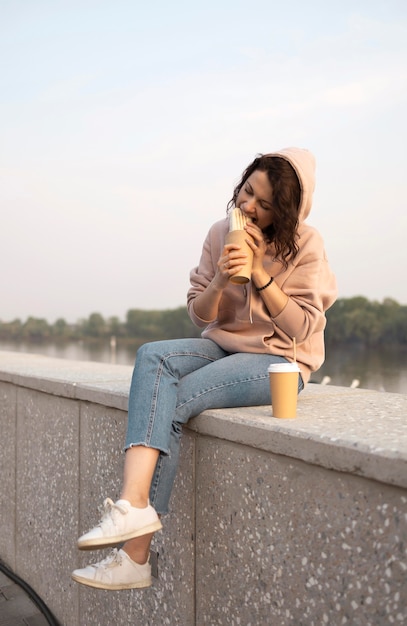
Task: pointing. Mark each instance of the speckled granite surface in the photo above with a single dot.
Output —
(294, 522)
(353, 430)
(280, 544)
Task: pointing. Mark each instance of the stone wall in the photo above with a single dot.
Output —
(294, 522)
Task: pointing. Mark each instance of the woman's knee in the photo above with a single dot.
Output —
(154, 350)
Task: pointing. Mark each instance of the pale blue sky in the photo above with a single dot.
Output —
(125, 125)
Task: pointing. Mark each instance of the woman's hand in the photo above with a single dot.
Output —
(257, 243)
(273, 297)
(230, 262)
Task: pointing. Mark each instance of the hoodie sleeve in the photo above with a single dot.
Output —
(311, 288)
(202, 275)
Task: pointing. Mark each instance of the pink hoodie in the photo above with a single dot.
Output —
(243, 323)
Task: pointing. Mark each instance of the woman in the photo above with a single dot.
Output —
(245, 329)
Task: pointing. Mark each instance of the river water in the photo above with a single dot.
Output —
(382, 369)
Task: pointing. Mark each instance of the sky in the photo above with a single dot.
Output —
(124, 127)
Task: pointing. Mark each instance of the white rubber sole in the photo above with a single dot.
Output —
(97, 584)
(106, 542)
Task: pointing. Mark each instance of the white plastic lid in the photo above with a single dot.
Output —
(283, 367)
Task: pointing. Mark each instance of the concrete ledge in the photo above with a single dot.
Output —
(78, 380)
(294, 522)
(351, 430)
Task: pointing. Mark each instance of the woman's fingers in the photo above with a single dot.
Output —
(232, 259)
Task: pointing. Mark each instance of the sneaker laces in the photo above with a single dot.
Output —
(110, 506)
(114, 559)
(110, 513)
(109, 509)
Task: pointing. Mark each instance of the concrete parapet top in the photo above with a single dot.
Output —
(79, 380)
(351, 430)
(358, 431)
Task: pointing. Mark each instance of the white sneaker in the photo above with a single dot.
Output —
(120, 522)
(117, 571)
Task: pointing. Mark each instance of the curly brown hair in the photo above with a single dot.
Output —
(286, 198)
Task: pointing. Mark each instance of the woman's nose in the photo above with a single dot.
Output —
(249, 207)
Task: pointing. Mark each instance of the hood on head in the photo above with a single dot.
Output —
(303, 162)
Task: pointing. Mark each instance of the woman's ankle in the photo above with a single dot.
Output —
(139, 502)
(139, 549)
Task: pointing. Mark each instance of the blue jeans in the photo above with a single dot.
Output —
(177, 379)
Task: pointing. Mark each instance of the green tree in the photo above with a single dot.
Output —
(144, 324)
(362, 326)
(394, 323)
(11, 330)
(95, 326)
(36, 329)
(369, 323)
(177, 323)
(61, 329)
(115, 327)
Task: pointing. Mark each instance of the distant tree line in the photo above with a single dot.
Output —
(140, 325)
(350, 320)
(358, 320)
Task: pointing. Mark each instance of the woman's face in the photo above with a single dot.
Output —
(255, 197)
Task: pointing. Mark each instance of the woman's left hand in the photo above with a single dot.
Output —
(257, 244)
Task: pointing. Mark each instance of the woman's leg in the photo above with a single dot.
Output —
(153, 395)
(236, 380)
(139, 466)
(173, 381)
(170, 385)
(159, 368)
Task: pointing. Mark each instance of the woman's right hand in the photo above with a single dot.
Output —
(230, 262)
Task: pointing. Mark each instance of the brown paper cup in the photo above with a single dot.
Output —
(239, 237)
(284, 389)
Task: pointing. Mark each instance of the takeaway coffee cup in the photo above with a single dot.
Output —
(284, 388)
(237, 234)
(239, 237)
